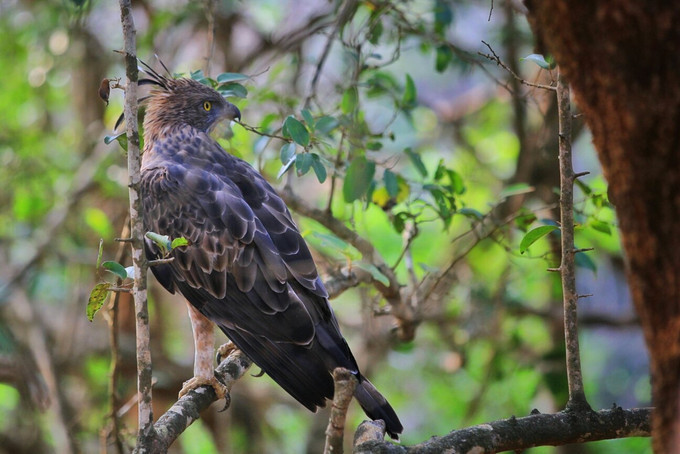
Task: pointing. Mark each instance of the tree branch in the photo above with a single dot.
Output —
(518, 434)
(345, 383)
(567, 267)
(145, 412)
(187, 409)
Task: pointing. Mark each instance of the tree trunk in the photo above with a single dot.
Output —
(622, 58)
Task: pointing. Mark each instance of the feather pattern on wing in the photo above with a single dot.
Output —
(247, 268)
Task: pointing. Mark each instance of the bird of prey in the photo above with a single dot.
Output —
(246, 269)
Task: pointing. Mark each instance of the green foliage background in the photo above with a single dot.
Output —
(408, 128)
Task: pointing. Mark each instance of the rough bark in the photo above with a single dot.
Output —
(622, 58)
(516, 433)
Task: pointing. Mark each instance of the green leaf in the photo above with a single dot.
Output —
(358, 178)
(540, 60)
(319, 168)
(416, 161)
(391, 183)
(162, 241)
(373, 270)
(326, 124)
(179, 242)
(350, 99)
(307, 115)
(601, 226)
(233, 89)
(444, 57)
(534, 235)
(230, 77)
(375, 32)
(374, 146)
(584, 187)
(287, 152)
(116, 268)
(443, 16)
(409, 99)
(303, 162)
(298, 132)
(197, 75)
(96, 300)
(121, 138)
(583, 260)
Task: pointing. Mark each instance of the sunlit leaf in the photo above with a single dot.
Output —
(162, 241)
(116, 268)
(358, 178)
(349, 100)
(121, 138)
(298, 132)
(540, 60)
(534, 235)
(600, 226)
(179, 242)
(381, 197)
(96, 300)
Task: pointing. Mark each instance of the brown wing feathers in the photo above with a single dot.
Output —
(247, 267)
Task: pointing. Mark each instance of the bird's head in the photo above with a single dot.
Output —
(177, 102)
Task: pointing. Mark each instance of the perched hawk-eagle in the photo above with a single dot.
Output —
(247, 269)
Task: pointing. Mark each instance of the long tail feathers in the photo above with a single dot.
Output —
(377, 407)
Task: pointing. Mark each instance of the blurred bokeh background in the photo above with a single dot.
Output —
(466, 164)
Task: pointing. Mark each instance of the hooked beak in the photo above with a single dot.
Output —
(230, 112)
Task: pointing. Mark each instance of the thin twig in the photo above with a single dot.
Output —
(145, 409)
(346, 12)
(577, 397)
(258, 132)
(494, 57)
(345, 383)
(210, 14)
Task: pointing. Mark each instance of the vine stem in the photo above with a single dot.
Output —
(577, 397)
(145, 414)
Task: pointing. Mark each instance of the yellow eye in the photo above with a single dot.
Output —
(207, 105)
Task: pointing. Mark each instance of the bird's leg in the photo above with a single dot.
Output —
(204, 347)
